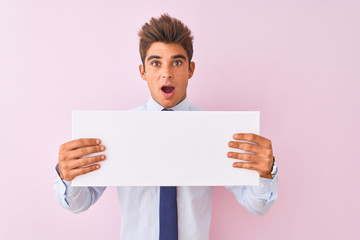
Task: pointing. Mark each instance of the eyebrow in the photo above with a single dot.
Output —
(173, 57)
(153, 56)
(179, 56)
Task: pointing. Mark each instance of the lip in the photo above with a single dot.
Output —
(167, 95)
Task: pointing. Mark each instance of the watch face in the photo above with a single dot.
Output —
(274, 169)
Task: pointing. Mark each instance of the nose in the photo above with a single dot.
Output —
(166, 73)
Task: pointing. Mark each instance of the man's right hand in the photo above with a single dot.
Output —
(71, 165)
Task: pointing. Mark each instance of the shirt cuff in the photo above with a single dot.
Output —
(267, 188)
(61, 187)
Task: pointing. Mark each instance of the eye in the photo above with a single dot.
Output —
(177, 63)
(155, 63)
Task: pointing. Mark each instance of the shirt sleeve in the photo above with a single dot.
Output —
(75, 199)
(257, 199)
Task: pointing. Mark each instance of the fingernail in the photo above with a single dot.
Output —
(102, 148)
(102, 156)
(97, 141)
(230, 154)
(97, 166)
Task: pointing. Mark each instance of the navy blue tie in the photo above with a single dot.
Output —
(168, 211)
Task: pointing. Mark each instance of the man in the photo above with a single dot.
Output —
(166, 52)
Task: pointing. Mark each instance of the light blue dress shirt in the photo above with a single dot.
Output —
(139, 206)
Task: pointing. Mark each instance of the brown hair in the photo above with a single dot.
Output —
(165, 29)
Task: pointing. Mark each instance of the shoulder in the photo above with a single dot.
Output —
(139, 108)
(195, 108)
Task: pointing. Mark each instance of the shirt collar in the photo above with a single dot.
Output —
(152, 105)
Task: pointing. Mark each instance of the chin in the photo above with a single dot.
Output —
(169, 100)
(168, 103)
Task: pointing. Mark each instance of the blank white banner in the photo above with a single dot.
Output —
(164, 148)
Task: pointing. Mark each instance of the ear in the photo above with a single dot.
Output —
(142, 72)
(191, 70)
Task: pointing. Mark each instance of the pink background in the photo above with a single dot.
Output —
(297, 63)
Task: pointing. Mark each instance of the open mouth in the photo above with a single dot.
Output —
(168, 91)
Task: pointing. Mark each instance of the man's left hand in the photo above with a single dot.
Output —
(260, 158)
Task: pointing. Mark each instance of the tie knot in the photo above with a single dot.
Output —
(165, 109)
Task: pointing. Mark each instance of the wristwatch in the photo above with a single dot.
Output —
(274, 168)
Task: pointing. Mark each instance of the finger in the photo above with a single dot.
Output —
(243, 156)
(252, 138)
(80, 152)
(80, 142)
(245, 146)
(81, 171)
(82, 162)
(250, 166)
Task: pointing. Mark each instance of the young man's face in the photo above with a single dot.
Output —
(167, 72)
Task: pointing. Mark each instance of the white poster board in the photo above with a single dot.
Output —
(166, 148)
